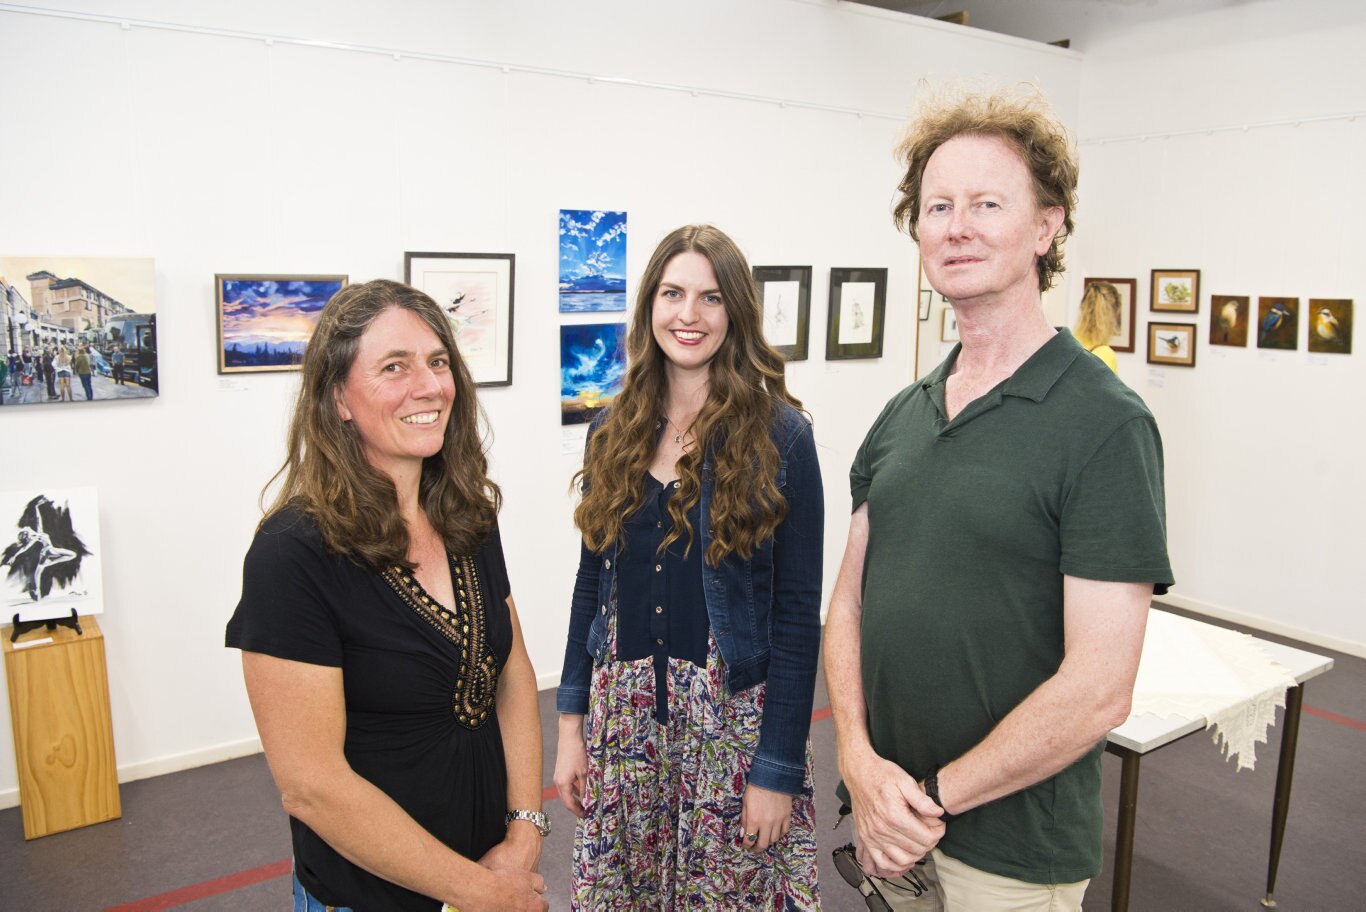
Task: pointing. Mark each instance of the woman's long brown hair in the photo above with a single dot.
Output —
(745, 385)
(326, 474)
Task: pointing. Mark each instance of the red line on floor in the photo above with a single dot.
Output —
(1334, 717)
(821, 714)
(207, 888)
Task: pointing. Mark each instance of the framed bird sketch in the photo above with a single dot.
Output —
(1171, 343)
(475, 290)
(785, 299)
(1228, 319)
(858, 302)
(265, 321)
(1176, 290)
(1330, 326)
(1123, 339)
(1278, 323)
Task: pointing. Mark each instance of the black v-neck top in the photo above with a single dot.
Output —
(419, 680)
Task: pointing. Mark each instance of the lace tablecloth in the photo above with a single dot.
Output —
(1196, 671)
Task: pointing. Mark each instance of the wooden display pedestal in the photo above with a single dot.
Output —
(63, 737)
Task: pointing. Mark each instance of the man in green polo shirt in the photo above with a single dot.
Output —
(1007, 536)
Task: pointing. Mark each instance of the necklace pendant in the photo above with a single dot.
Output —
(678, 438)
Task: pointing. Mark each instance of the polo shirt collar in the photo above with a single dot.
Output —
(1031, 380)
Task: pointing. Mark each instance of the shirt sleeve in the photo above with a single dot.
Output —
(495, 565)
(285, 611)
(1114, 522)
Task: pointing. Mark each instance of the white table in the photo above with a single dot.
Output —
(1143, 734)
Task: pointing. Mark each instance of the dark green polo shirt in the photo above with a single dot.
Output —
(972, 524)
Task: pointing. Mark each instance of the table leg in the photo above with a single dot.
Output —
(1285, 774)
(1124, 833)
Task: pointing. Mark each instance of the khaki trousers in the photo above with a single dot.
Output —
(956, 887)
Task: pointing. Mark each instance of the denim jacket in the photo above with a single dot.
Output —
(764, 612)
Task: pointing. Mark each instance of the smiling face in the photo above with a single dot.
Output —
(399, 391)
(980, 227)
(688, 315)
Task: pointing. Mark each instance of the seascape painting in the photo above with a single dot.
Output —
(592, 368)
(49, 553)
(77, 329)
(265, 321)
(592, 261)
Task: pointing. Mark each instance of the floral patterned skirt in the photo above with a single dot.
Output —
(663, 801)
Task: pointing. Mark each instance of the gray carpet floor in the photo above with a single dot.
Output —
(1201, 843)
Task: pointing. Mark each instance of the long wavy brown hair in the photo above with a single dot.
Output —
(746, 383)
(326, 474)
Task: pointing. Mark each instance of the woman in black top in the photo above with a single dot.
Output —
(381, 647)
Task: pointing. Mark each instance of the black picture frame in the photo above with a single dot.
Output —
(842, 308)
(796, 350)
(449, 278)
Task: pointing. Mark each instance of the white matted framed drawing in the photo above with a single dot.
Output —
(475, 291)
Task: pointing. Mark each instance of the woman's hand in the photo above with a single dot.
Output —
(571, 763)
(766, 813)
(512, 891)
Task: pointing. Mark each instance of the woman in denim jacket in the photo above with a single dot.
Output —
(686, 694)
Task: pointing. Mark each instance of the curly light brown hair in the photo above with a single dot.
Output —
(326, 474)
(746, 383)
(1024, 120)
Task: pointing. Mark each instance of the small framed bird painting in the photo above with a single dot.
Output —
(1172, 343)
(1228, 316)
(1330, 326)
(1278, 323)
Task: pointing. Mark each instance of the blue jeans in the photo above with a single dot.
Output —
(306, 902)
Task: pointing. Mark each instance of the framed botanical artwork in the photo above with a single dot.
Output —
(1228, 320)
(1176, 291)
(265, 321)
(1123, 339)
(858, 304)
(1171, 343)
(1330, 326)
(475, 291)
(785, 298)
(1278, 323)
(948, 325)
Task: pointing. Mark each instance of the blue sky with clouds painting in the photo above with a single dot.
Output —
(592, 250)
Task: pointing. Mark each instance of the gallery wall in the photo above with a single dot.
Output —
(218, 145)
(1224, 142)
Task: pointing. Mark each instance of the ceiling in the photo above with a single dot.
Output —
(1080, 22)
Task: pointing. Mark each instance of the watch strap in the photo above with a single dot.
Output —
(538, 819)
(932, 790)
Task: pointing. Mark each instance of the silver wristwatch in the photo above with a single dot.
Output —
(537, 819)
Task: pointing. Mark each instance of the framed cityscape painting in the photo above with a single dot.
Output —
(475, 290)
(592, 260)
(78, 329)
(785, 298)
(858, 303)
(265, 321)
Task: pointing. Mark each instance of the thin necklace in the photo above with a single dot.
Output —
(678, 438)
